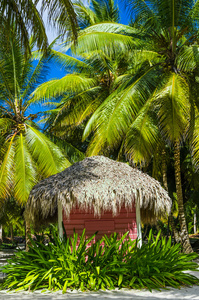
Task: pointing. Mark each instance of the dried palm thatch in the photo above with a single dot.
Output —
(97, 184)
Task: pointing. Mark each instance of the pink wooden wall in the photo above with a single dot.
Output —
(125, 221)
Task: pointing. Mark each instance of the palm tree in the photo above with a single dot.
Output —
(90, 80)
(90, 77)
(159, 100)
(154, 101)
(27, 155)
(28, 20)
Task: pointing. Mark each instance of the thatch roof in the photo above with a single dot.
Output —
(97, 184)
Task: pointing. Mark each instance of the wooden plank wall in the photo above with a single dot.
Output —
(125, 221)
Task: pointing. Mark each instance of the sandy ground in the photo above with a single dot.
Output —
(172, 294)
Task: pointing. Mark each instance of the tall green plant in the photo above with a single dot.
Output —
(26, 153)
(79, 263)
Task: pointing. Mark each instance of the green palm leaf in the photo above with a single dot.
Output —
(173, 106)
(188, 58)
(143, 135)
(111, 27)
(113, 118)
(69, 62)
(68, 84)
(25, 171)
(71, 152)
(195, 140)
(107, 37)
(48, 157)
(6, 169)
(5, 124)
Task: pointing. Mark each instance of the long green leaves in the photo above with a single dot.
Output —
(114, 116)
(173, 106)
(6, 169)
(26, 154)
(25, 170)
(50, 160)
(80, 263)
(143, 135)
(69, 84)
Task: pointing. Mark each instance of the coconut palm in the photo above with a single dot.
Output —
(155, 102)
(90, 77)
(26, 153)
(159, 100)
(90, 80)
(28, 19)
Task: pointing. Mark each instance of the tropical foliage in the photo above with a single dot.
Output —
(152, 103)
(96, 12)
(131, 89)
(26, 153)
(11, 219)
(27, 19)
(91, 76)
(90, 81)
(77, 263)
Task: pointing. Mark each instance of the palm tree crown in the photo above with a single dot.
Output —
(27, 19)
(26, 154)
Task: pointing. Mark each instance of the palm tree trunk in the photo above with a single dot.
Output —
(165, 185)
(28, 234)
(11, 233)
(195, 220)
(183, 235)
(164, 170)
(1, 234)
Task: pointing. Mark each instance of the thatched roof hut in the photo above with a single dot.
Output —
(97, 184)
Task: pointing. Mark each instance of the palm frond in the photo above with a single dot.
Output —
(71, 152)
(74, 110)
(188, 58)
(69, 84)
(25, 171)
(85, 15)
(105, 10)
(110, 27)
(6, 169)
(96, 145)
(110, 38)
(48, 157)
(143, 11)
(113, 118)
(33, 77)
(5, 125)
(24, 15)
(195, 139)
(143, 135)
(173, 105)
(62, 15)
(69, 63)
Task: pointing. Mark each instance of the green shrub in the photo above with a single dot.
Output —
(106, 264)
